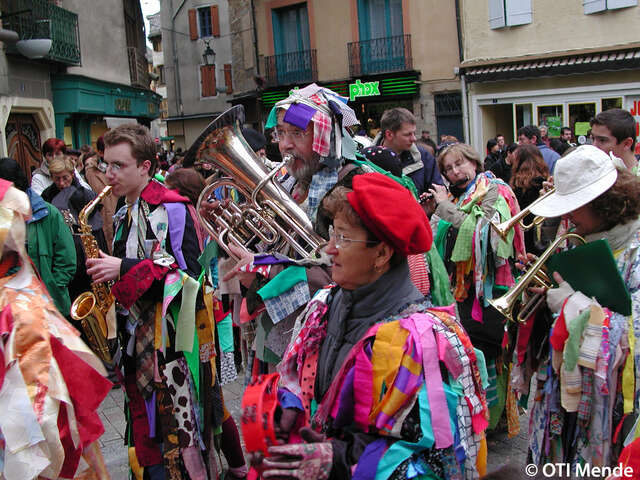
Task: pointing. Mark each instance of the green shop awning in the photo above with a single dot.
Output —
(73, 94)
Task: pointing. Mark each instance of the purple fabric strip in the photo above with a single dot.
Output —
(345, 401)
(299, 114)
(176, 214)
(368, 463)
(286, 399)
(150, 404)
(267, 259)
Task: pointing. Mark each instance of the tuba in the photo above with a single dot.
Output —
(91, 308)
(535, 276)
(267, 215)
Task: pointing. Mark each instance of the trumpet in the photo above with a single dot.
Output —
(535, 276)
(503, 228)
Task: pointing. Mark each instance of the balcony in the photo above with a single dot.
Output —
(380, 55)
(291, 68)
(33, 19)
(138, 68)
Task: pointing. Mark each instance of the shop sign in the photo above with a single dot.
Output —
(122, 104)
(367, 89)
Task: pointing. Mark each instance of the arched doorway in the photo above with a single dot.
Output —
(23, 142)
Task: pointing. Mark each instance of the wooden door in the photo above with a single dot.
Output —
(23, 142)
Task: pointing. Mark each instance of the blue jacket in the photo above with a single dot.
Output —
(550, 156)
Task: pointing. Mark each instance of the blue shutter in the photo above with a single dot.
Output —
(612, 4)
(593, 6)
(497, 18)
(518, 12)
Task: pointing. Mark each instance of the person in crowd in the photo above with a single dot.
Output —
(501, 143)
(528, 172)
(493, 154)
(96, 174)
(397, 132)
(566, 135)
(49, 241)
(69, 197)
(502, 168)
(544, 134)
(479, 263)
(530, 135)
(614, 131)
(585, 405)
(175, 404)
(41, 178)
(52, 384)
(355, 340)
(558, 146)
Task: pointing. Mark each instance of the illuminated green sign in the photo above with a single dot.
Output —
(367, 89)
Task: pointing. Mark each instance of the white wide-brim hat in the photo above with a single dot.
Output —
(581, 176)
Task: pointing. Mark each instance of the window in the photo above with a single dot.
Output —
(509, 13)
(157, 44)
(524, 115)
(609, 103)
(290, 29)
(579, 116)
(160, 71)
(204, 22)
(208, 80)
(379, 19)
(595, 6)
(551, 117)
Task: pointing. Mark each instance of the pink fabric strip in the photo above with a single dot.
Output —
(362, 389)
(437, 401)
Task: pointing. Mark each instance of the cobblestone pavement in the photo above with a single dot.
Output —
(502, 451)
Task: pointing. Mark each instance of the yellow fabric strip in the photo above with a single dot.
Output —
(628, 372)
(157, 329)
(186, 328)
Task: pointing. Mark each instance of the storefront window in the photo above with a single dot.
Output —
(551, 116)
(609, 103)
(579, 116)
(523, 115)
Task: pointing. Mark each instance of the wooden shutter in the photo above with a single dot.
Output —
(193, 24)
(227, 77)
(208, 80)
(497, 18)
(612, 4)
(594, 6)
(519, 12)
(215, 21)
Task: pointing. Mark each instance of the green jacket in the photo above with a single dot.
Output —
(50, 246)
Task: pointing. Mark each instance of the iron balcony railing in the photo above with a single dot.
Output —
(388, 54)
(33, 19)
(290, 68)
(138, 68)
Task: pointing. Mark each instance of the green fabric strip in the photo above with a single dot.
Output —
(464, 240)
(440, 286)
(572, 347)
(505, 249)
(209, 253)
(225, 334)
(193, 362)
(186, 326)
(284, 281)
(272, 119)
(405, 181)
(441, 237)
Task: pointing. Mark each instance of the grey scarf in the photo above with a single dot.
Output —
(353, 312)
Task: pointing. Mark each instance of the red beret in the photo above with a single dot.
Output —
(391, 213)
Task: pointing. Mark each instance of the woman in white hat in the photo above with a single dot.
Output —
(586, 405)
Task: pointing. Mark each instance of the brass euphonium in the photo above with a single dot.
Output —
(91, 308)
(503, 228)
(268, 214)
(535, 276)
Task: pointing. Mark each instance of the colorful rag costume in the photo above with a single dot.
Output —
(587, 401)
(51, 384)
(174, 405)
(480, 266)
(396, 385)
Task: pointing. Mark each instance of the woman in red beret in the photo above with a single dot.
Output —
(371, 364)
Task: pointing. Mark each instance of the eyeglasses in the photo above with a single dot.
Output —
(279, 134)
(340, 240)
(457, 165)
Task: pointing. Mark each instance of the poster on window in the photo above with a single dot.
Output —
(634, 108)
(554, 125)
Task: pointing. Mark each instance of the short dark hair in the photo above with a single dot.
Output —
(529, 131)
(558, 145)
(11, 171)
(564, 129)
(620, 123)
(492, 142)
(393, 119)
(621, 203)
(100, 143)
(512, 147)
(139, 139)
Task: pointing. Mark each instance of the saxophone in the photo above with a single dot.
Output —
(91, 308)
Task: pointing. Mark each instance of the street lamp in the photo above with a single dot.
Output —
(209, 56)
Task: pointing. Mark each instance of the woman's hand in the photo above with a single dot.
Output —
(104, 268)
(439, 193)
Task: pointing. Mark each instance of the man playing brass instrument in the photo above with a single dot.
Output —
(168, 337)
